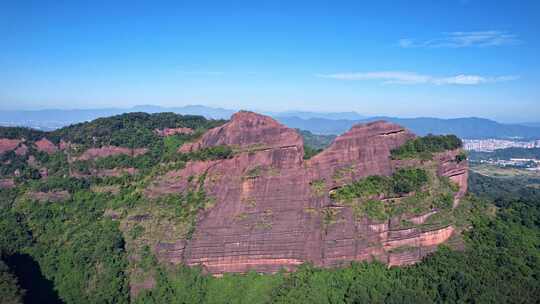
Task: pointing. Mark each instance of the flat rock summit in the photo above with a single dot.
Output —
(272, 209)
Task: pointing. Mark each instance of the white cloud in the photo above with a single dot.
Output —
(400, 77)
(472, 79)
(386, 76)
(464, 39)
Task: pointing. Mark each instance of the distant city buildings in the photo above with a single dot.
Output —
(489, 145)
(530, 164)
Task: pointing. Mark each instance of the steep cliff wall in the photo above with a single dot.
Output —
(272, 209)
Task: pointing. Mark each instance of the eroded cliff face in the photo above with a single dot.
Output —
(45, 145)
(272, 209)
(458, 172)
(8, 144)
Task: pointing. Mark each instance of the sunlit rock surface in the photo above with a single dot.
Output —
(270, 203)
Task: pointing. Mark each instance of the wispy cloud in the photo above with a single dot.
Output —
(463, 39)
(400, 77)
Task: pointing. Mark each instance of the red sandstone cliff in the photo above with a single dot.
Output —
(268, 215)
(8, 144)
(45, 145)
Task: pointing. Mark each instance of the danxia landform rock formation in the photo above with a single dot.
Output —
(273, 209)
(238, 196)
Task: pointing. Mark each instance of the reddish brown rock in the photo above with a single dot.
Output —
(64, 145)
(21, 150)
(106, 151)
(7, 183)
(8, 144)
(421, 218)
(173, 131)
(250, 131)
(458, 172)
(272, 207)
(45, 145)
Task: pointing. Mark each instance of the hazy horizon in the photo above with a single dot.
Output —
(263, 111)
(445, 59)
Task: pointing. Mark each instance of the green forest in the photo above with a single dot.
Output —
(82, 254)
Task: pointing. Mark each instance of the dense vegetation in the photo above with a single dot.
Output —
(131, 130)
(82, 252)
(10, 291)
(314, 143)
(128, 130)
(424, 147)
(403, 191)
(21, 132)
(309, 152)
(402, 181)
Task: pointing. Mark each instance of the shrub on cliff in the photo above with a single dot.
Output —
(401, 182)
(423, 147)
(408, 180)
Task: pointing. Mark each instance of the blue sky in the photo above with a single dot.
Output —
(401, 58)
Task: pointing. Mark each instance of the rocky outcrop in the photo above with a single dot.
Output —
(94, 153)
(7, 145)
(173, 131)
(45, 145)
(273, 210)
(249, 130)
(457, 171)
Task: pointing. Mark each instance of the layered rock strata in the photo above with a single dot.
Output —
(272, 207)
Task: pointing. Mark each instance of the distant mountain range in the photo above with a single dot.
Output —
(531, 124)
(473, 128)
(315, 122)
